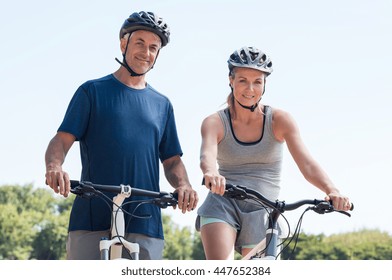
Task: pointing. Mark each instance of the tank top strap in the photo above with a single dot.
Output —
(225, 115)
(268, 112)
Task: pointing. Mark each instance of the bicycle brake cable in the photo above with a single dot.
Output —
(295, 234)
(131, 215)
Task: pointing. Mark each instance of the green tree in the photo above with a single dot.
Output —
(178, 241)
(363, 245)
(16, 233)
(360, 245)
(197, 247)
(49, 243)
(24, 214)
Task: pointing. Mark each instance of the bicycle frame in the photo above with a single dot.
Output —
(270, 244)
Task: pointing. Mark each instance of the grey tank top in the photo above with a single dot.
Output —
(255, 165)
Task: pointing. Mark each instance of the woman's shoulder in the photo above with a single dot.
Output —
(213, 124)
(279, 114)
(212, 118)
(283, 123)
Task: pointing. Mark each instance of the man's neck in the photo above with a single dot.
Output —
(134, 82)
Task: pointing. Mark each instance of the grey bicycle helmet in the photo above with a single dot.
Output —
(146, 21)
(250, 57)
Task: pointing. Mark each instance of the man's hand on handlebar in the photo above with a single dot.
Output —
(187, 198)
(58, 180)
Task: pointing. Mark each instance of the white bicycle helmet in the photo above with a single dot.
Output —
(250, 57)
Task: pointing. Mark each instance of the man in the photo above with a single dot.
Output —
(124, 127)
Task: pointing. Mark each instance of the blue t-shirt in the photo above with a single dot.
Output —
(123, 133)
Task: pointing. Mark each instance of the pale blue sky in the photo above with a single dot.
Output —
(331, 72)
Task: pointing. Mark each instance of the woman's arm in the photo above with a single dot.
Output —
(286, 129)
(212, 133)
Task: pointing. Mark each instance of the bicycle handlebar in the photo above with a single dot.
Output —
(319, 206)
(162, 199)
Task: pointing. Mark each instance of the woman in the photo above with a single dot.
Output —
(243, 144)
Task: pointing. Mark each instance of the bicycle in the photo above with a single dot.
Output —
(117, 241)
(267, 249)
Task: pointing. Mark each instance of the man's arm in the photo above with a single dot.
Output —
(177, 176)
(57, 150)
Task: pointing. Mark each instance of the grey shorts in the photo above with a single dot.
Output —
(84, 245)
(249, 219)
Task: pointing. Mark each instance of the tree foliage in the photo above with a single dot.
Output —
(31, 220)
(178, 241)
(34, 222)
(360, 245)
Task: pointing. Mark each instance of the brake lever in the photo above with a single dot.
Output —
(166, 200)
(323, 207)
(343, 212)
(236, 193)
(84, 190)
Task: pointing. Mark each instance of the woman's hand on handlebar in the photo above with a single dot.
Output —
(339, 202)
(58, 180)
(215, 183)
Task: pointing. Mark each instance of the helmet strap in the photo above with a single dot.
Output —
(254, 106)
(251, 108)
